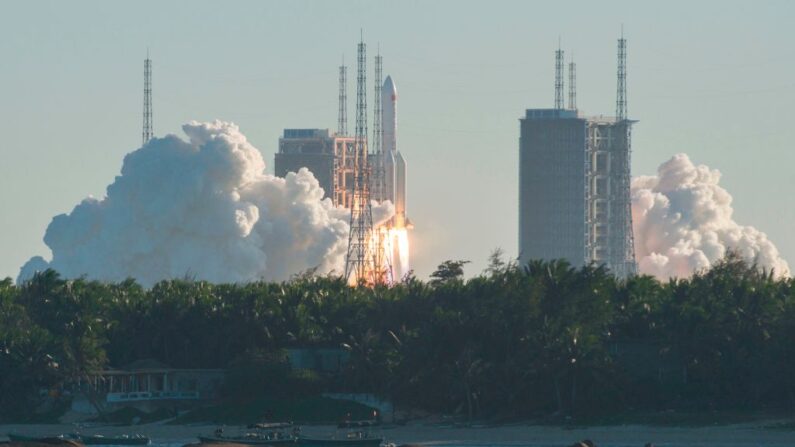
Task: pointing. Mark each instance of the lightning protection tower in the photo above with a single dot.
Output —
(360, 265)
(572, 86)
(559, 78)
(342, 116)
(379, 182)
(621, 84)
(146, 134)
(624, 249)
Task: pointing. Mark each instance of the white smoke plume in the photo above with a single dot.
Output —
(683, 223)
(204, 208)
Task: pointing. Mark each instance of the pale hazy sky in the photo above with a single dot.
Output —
(715, 80)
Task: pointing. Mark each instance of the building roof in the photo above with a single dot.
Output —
(550, 114)
(307, 133)
(151, 366)
(546, 114)
(145, 364)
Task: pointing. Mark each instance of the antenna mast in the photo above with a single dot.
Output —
(146, 135)
(621, 88)
(378, 131)
(342, 116)
(572, 85)
(360, 262)
(629, 265)
(382, 260)
(559, 77)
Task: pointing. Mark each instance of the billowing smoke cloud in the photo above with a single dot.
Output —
(683, 223)
(204, 208)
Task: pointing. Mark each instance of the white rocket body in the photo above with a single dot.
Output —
(394, 163)
(395, 178)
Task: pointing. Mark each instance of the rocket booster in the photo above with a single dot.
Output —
(394, 163)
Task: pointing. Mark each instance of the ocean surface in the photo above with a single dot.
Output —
(155, 443)
(562, 443)
(519, 436)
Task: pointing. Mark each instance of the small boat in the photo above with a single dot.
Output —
(13, 437)
(246, 440)
(83, 439)
(270, 434)
(358, 435)
(353, 439)
(272, 426)
(358, 424)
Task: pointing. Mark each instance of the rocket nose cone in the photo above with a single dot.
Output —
(389, 86)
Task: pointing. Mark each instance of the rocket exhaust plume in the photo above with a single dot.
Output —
(203, 208)
(683, 223)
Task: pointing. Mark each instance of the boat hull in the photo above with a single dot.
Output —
(109, 440)
(358, 442)
(43, 440)
(22, 438)
(247, 441)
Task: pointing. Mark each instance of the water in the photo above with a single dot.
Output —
(526, 436)
(562, 443)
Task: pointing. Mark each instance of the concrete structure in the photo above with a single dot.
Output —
(574, 189)
(552, 186)
(325, 154)
(146, 385)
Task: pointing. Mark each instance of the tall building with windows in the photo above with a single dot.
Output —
(552, 151)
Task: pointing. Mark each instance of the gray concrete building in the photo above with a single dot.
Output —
(552, 186)
(324, 153)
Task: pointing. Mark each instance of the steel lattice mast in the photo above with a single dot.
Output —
(559, 78)
(382, 260)
(359, 261)
(621, 84)
(379, 184)
(342, 116)
(146, 134)
(572, 85)
(629, 266)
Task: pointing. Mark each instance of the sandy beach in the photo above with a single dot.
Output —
(739, 435)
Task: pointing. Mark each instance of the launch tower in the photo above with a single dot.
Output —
(360, 261)
(574, 175)
(354, 173)
(378, 182)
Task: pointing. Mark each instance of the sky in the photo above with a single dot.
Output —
(715, 80)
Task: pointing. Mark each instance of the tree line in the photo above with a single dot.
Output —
(543, 338)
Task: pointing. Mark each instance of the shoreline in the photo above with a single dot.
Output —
(736, 435)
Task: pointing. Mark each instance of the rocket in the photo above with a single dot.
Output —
(394, 168)
(394, 163)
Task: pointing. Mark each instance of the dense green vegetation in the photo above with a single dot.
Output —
(517, 341)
